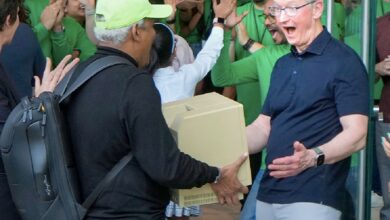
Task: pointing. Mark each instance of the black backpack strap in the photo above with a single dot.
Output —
(106, 180)
(91, 70)
(61, 86)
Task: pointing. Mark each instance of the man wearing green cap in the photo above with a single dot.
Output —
(119, 111)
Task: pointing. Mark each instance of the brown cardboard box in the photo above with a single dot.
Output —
(210, 128)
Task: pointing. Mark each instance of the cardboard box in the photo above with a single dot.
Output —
(210, 128)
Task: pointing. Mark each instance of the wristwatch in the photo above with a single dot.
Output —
(320, 157)
(219, 20)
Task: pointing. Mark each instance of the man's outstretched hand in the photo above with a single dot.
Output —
(228, 186)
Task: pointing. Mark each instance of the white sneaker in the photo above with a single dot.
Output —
(376, 200)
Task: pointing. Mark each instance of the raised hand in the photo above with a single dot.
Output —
(233, 19)
(50, 78)
(224, 8)
(50, 13)
(58, 27)
(228, 185)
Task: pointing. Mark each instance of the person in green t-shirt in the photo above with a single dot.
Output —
(57, 33)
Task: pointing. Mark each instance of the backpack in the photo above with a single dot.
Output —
(38, 159)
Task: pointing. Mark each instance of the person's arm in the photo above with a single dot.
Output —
(383, 68)
(207, 57)
(386, 145)
(48, 18)
(226, 73)
(257, 133)
(186, 30)
(155, 150)
(244, 39)
(89, 11)
(350, 140)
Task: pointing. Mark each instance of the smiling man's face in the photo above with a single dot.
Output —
(270, 23)
(300, 30)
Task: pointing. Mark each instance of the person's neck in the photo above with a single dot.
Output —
(313, 35)
(124, 47)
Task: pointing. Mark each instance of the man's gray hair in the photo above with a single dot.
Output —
(115, 36)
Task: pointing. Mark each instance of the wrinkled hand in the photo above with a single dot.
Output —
(383, 67)
(228, 184)
(50, 13)
(242, 34)
(224, 8)
(50, 79)
(233, 19)
(301, 159)
(386, 145)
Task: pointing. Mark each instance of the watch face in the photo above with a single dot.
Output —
(320, 159)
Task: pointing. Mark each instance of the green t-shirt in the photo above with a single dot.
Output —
(58, 45)
(35, 7)
(248, 94)
(74, 37)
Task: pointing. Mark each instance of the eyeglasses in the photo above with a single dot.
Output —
(290, 11)
(270, 17)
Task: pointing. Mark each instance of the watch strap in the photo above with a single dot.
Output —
(219, 20)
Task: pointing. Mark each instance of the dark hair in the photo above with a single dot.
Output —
(23, 13)
(8, 7)
(153, 62)
(164, 44)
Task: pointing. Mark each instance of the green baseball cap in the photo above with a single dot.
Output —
(114, 14)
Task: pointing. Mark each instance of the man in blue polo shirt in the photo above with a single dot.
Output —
(313, 119)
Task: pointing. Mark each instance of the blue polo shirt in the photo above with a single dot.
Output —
(308, 94)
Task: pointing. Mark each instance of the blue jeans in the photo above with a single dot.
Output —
(248, 212)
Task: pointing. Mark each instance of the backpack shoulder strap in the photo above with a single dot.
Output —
(106, 180)
(91, 70)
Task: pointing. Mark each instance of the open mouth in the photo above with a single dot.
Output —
(273, 30)
(273, 33)
(289, 30)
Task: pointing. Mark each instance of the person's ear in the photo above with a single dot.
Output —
(136, 32)
(8, 21)
(318, 9)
